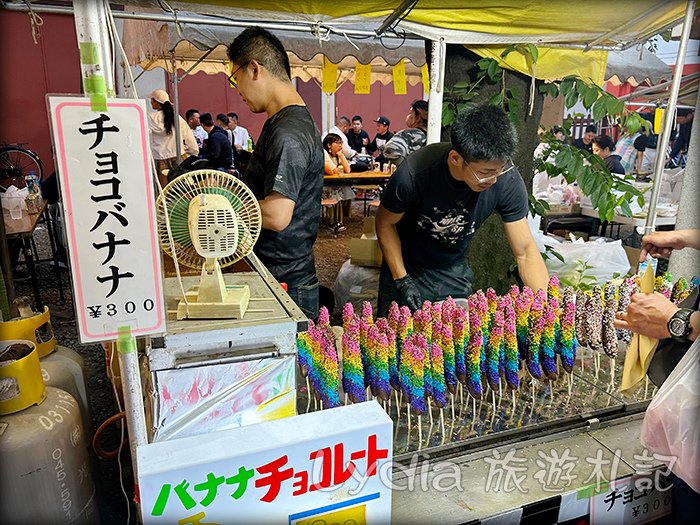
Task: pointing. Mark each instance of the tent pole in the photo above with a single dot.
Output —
(95, 51)
(664, 136)
(176, 109)
(437, 81)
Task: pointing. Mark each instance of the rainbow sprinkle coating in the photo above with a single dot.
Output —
(348, 314)
(567, 347)
(624, 294)
(353, 373)
(548, 356)
(473, 354)
(304, 352)
(510, 347)
(413, 371)
(460, 331)
(680, 291)
(593, 313)
(379, 363)
(392, 356)
(493, 351)
(663, 285)
(534, 335)
(609, 333)
(448, 349)
(522, 321)
(437, 374)
(324, 318)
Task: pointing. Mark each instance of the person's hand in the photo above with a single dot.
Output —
(409, 295)
(661, 244)
(647, 314)
(365, 141)
(238, 147)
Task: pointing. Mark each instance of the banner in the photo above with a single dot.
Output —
(362, 78)
(399, 73)
(330, 76)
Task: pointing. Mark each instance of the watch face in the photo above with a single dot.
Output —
(676, 327)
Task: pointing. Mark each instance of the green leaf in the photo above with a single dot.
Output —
(461, 84)
(626, 210)
(496, 99)
(484, 63)
(599, 109)
(448, 115)
(533, 52)
(570, 99)
(589, 97)
(493, 69)
(613, 105)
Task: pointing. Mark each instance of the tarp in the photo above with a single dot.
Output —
(151, 44)
(460, 22)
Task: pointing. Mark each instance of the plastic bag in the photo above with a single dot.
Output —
(672, 423)
(356, 284)
(604, 258)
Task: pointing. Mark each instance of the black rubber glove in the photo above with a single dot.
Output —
(408, 293)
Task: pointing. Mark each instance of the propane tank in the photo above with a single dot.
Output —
(61, 367)
(46, 475)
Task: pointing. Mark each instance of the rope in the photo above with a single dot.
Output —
(102, 453)
(35, 20)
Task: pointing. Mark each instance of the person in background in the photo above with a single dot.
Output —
(408, 140)
(380, 139)
(223, 122)
(645, 146)
(240, 134)
(357, 137)
(439, 197)
(586, 141)
(335, 163)
(217, 148)
(192, 117)
(341, 128)
(162, 124)
(626, 150)
(543, 147)
(603, 146)
(684, 119)
(286, 167)
(653, 315)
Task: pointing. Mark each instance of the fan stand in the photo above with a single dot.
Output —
(212, 299)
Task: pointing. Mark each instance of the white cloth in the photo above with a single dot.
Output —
(200, 135)
(163, 145)
(347, 150)
(240, 137)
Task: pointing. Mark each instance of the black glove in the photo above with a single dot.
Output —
(408, 293)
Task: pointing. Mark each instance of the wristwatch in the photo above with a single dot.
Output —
(679, 324)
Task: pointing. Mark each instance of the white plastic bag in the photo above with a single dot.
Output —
(604, 258)
(355, 284)
(672, 421)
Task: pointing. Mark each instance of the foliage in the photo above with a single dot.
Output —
(607, 191)
(580, 280)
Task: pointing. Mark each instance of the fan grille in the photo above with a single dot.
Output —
(178, 194)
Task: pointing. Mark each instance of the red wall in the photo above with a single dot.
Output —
(30, 71)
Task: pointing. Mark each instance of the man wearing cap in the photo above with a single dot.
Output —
(381, 138)
(438, 198)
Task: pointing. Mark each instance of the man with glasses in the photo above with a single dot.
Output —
(438, 198)
(285, 171)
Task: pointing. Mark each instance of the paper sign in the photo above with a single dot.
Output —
(362, 78)
(399, 74)
(623, 503)
(332, 466)
(103, 161)
(425, 76)
(330, 76)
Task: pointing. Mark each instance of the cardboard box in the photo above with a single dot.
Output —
(365, 251)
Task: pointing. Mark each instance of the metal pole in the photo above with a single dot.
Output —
(95, 50)
(664, 136)
(437, 81)
(176, 109)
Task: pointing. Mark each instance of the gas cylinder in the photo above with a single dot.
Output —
(61, 367)
(45, 474)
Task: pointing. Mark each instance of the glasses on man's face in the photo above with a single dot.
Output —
(508, 166)
(231, 77)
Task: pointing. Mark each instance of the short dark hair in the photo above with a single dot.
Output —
(329, 139)
(206, 119)
(604, 141)
(357, 117)
(233, 116)
(557, 129)
(591, 129)
(223, 118)
(484, 133)
(190, 112)
(683, 112)
(256, 43)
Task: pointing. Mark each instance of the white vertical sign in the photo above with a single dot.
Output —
(104, 168)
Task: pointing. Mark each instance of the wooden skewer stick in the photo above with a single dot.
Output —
(398, 406)
(308, 394)
(430, 411)
(442, 424)
(408, 414)
(493, 400)
(612, 371)
(452, 398)
(513, 396)
(646, 386)
(420, 433)
(551, 390)
(346, 398)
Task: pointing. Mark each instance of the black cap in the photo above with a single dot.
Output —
(383, 120)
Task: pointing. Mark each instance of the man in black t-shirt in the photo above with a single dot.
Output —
(382, 137)
(437, 199)
(586, 141)
(286, 169)
(357, 137)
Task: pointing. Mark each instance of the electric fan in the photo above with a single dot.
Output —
(215, 221)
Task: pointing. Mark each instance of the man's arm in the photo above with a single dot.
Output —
(276, 211)
(389, 241)
(661, 244)
(530, 263)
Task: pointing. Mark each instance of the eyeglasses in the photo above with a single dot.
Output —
(231, 79)
(508, 166)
